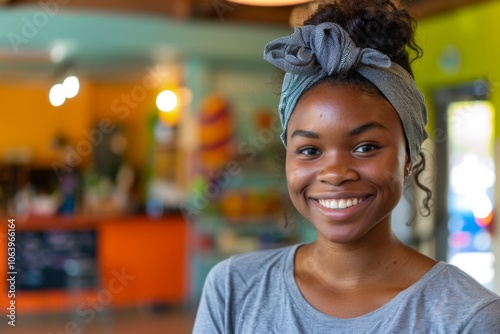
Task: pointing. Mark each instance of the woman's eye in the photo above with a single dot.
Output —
(366, 148)
(308, 151)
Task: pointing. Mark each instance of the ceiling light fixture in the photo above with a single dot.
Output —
(66, 88)
(71, 86)
(57, 95)
(166, 101)
(269, 3)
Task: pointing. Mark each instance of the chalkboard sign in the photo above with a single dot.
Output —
(55, 259)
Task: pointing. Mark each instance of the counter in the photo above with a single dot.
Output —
(139, 261)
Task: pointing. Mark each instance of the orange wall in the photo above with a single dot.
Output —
(29, 121)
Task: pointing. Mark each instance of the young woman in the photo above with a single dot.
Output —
(353, 124)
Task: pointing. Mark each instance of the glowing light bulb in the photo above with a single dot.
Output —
(166, 101)
(57, 95)
(71, 86)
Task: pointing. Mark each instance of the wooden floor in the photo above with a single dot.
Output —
(125, 322)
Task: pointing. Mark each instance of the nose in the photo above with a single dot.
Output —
(336, 169)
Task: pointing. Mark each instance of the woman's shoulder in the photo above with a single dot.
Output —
(482, 314)
(253, 264)
(262, 256)
(449, 300)
(446, 285)
(454, 278)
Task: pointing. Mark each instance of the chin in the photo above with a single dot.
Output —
(342, 235)
(353, 231)
(343, 240)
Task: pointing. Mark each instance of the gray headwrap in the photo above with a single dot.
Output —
(317, 51)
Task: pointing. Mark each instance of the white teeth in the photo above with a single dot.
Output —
(340, 203)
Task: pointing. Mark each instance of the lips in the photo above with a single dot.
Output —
(341, 203)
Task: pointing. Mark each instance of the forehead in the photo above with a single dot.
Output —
(342, 106)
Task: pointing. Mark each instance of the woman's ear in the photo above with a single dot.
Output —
(408, 167)
(406, 170)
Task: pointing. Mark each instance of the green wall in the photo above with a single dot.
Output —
(473, 34)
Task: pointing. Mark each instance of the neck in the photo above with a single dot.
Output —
(367, 260)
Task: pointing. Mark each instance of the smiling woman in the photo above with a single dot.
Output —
(353, 125)
(343, 145)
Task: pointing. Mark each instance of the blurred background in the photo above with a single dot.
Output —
(139, 146)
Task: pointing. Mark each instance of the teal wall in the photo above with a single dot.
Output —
(96, 37)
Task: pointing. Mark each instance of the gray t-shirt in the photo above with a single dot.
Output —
(256, 293)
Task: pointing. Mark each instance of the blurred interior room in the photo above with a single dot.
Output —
(139, 146)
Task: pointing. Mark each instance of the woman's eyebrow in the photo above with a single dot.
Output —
(305, 133)
(365, 127)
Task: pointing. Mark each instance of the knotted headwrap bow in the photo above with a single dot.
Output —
(314, 52)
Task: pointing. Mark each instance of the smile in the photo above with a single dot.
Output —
(340, 203)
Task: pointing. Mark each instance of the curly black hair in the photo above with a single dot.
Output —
(376, 24)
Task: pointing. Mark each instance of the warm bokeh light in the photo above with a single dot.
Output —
(485, 221)
(57, 95)
(71, 86)
(166, 101)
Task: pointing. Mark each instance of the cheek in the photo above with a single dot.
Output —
(296, 183)
(391, 175)
(291, 177)
(399, 157)
(297, 176)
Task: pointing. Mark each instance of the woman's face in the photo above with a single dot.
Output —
(345, 160)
